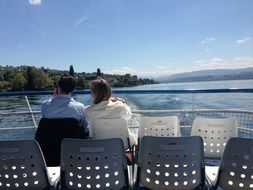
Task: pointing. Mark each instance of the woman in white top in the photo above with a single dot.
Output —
(105, 107)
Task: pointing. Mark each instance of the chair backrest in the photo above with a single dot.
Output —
(159, 126)
(215, 134)
(93, 164)
(50, 133)
(236, 169)
(110, 128)
(171, 162)
(22, 166)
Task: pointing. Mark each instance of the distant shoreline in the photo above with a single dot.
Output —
(203, 79)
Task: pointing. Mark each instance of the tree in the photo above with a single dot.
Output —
(19, 82)
(71, 70)
(29, 85)
(81, 83)
(36, 79)
(8, 74)
(4, 85)
(98, 72)
(40, 79)
(1, 75)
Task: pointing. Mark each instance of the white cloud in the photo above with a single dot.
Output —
(212, 64)
(85, 17)
(161, 67)
(154, 72)
(35, 2)
(201, 64)
(200, 61)
(242, 62)
(218, 63)
(208, 40)
(81, 20)
(122, 71)
(243, 40)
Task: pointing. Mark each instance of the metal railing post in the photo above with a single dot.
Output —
(30, 111)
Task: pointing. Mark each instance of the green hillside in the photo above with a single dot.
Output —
(32, 78)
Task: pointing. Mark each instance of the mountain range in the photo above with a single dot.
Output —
(210, 75)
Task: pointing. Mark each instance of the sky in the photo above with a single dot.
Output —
(141, 37)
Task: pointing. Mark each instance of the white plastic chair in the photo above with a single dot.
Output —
(215, 134)
(114, 128)
(159, 126)
(235, 171)
(110, 128)
(93, 164)
(174, 163)
(22, 166)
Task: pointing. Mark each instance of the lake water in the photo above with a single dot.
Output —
(160, 101)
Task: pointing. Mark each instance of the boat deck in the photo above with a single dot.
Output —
(185, 116)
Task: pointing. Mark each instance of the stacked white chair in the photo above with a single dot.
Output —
(215, 133)
(111, 128)
(114, 128)
(159, 126)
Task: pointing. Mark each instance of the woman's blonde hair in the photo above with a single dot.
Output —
(101, 89)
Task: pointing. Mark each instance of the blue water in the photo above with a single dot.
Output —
(142, 101)
(184, 101)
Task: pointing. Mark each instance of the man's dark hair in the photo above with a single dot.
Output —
(67, 84)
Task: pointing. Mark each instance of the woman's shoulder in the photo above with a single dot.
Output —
(120, 107)
(117, 104)
(99, 106)
(107, 105)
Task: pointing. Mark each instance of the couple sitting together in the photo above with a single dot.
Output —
(62, 105)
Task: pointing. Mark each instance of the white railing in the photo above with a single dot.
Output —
(245, 117)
